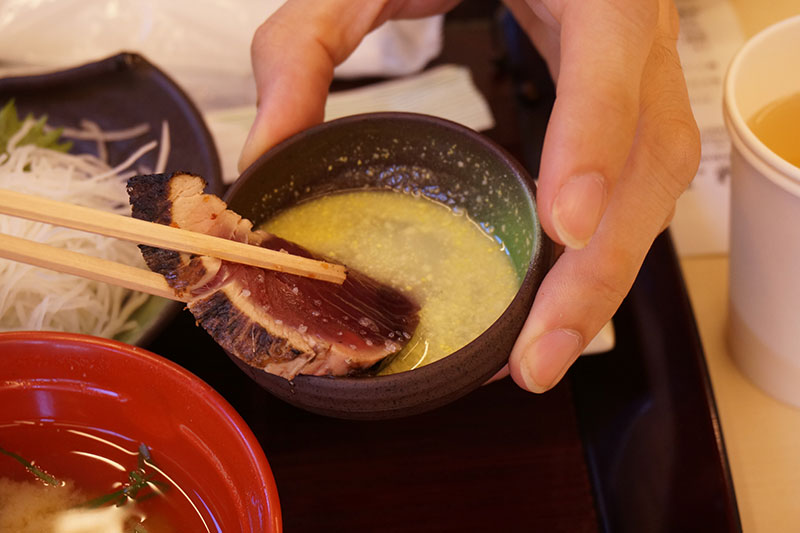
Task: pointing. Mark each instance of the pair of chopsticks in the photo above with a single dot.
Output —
(142, 232)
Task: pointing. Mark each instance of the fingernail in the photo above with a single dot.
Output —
(548, 357)
(578, 208)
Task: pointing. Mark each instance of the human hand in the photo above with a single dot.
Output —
(621, 145)
(295, 51)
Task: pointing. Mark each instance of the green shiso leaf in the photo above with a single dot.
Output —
(33, 469)
(37, 135)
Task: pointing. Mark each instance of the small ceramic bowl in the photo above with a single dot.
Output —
(460, 168)
(75, 405)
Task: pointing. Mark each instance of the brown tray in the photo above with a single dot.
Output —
(629, 441)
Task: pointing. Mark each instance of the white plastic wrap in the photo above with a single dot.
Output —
(196, 34)
(184, 36)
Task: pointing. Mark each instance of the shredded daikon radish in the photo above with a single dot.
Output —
(161, 162)
(90, 133)
(36, 299)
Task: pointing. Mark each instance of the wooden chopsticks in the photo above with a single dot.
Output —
(85, 266)
(142, 232)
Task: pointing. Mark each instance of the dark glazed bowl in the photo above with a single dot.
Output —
(435, 158)
(116, 93)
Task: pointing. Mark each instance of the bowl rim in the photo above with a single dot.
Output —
(543, 253)
(213, 400)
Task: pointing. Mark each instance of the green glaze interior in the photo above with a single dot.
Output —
(421, 155)
(426, 158)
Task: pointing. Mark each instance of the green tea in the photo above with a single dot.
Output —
(778, 126)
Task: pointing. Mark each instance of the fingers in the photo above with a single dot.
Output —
(604, 47)
(500, 374)
(294, 53)
(586, 286)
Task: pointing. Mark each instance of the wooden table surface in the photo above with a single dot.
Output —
(762, 435)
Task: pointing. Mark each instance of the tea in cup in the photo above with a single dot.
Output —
(761, 87)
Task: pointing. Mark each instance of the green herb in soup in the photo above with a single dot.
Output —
(461, 275)
(74, 479)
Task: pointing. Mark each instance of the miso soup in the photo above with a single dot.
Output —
(91, 465)
(460, 274)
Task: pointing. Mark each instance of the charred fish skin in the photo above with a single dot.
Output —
(280, 323)
(150, 199)
(247, 339)
(149, 196)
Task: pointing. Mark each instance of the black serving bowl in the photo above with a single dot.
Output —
(433, 157)
(117, 93)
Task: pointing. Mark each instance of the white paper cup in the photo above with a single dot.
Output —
(764, 318)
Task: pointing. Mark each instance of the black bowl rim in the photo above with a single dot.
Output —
(542, 257)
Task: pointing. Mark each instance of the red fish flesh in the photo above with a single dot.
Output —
(282, 323)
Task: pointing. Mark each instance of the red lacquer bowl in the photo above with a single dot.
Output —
(57, 388)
